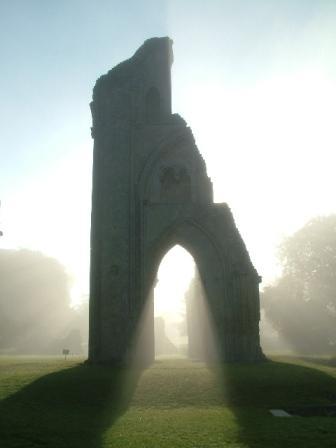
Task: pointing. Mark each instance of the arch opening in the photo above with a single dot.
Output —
(175, 273)
(181, 316)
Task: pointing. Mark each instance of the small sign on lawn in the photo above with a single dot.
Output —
(65, 352)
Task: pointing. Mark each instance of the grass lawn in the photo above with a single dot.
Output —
(49, 402)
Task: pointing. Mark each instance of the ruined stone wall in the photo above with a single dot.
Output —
(150, 192)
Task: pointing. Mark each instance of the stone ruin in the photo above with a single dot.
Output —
(150, 192)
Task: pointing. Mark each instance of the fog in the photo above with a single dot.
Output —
(35, 312)
(298, 310)
(182, 317)
(301, 303)
(256, 82)
(169, 294)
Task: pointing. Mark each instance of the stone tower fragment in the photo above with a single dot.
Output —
(150, 192)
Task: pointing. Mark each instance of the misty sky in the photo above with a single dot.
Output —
(256, 81)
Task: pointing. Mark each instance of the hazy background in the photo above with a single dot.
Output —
(255, 80)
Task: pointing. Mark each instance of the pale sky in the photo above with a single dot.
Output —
(255, 80)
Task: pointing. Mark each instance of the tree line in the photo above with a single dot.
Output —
(35, 312)
(301, 304)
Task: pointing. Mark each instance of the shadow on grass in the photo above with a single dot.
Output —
(74, 407)
(252, 390)
(69, 408)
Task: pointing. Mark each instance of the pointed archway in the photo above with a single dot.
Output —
(174, 276)
(151, 191)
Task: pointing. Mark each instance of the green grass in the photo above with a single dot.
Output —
(50, 402)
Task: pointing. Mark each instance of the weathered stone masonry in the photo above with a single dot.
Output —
(150, 192)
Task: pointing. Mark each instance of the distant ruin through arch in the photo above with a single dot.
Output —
(150, 192)
(180, 304)
(174, 275)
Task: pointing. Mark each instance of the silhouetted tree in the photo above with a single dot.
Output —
(34, 301)
(302, 304)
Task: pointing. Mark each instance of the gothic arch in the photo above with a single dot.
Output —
(192, 237)
(150, 192)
